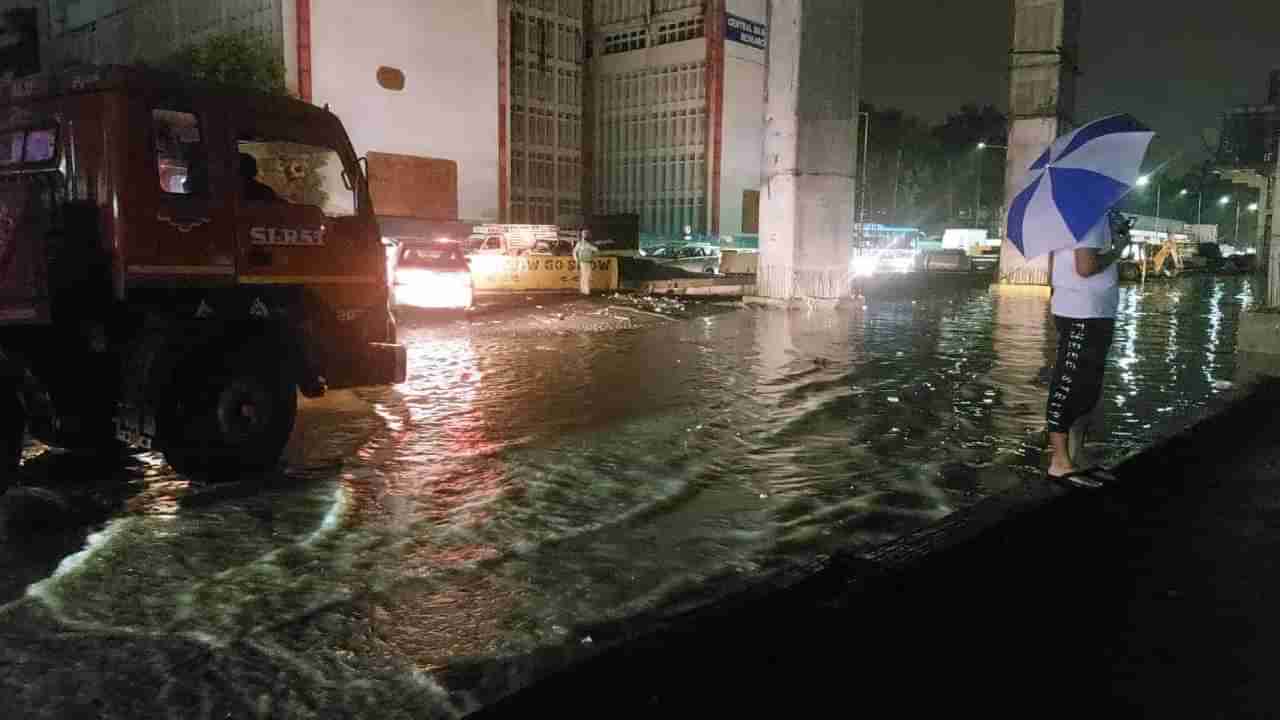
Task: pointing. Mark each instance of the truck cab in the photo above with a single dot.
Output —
(177, 262)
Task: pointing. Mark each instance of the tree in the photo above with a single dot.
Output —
(246, 59)
(928, 177)
(974, 179)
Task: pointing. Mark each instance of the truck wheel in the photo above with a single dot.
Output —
(13, 424)
(238, 417)
(1129, 271)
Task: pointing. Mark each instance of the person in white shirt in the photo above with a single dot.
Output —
(584, 252)
(1086, 294)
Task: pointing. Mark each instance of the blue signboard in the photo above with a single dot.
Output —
(747, 32)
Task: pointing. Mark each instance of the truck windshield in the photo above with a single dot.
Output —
(298, 174)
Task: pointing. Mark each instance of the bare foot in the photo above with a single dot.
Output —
(1059, 469)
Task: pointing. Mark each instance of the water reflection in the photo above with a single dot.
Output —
(519, 489)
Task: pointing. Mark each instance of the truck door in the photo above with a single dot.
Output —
(25, 221)
(298, 221)
(185, 217)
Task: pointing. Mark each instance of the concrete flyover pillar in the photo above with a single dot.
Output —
(1041, 106)
(806, 204)
(1269, 249)
(1258, 336)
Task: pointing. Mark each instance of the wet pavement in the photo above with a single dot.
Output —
(433, 546)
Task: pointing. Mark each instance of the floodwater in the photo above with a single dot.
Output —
(434, 545)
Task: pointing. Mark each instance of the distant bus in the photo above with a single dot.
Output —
(886, 248)
(888, 237)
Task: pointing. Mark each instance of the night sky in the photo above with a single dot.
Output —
(1174, 65)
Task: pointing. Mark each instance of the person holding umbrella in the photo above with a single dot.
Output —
(1064, 209)
(1086, 295)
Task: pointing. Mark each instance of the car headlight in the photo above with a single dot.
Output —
(864, 265)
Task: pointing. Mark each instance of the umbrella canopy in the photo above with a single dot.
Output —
(1069, 189)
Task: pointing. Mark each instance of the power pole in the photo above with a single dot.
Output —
(897, 178)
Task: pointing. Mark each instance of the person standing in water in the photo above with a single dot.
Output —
(1086, 295)
(584, 252)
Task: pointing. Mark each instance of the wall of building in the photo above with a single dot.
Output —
(743, 128)
(650, 87)
(548, 56)
(449, 105)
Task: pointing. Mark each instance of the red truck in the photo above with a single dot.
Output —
(177, 262)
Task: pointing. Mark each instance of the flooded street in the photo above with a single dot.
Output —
(431, 546)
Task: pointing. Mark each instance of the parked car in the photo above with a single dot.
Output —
(949, 260)
(559, 247)
(701, 258)
(486, 244)
(659, 252)
(432, 275)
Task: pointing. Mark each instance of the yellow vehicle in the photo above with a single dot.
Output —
(1142, 260)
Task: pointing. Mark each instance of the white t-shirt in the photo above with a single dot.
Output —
(584, 251)
(1086, 297)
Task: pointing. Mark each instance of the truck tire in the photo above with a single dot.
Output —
(233, 416)
(1130, 272)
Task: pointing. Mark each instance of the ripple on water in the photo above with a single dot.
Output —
(523, 488)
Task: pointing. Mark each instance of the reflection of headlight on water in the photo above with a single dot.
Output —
(431, 290)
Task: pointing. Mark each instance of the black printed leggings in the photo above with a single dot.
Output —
(1077, 376)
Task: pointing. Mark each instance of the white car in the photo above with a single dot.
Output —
(432, 276)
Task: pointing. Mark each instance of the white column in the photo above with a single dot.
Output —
(1272, 257)
(1042, 103)
(806, 202)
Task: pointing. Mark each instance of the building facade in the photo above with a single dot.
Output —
(448, 107)
(678, 113)
(546, 81)
(553, 110)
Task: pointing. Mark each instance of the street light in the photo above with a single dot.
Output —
(1143, 181)
(1226, 200)
(1199, 202)
(862, 204)
(977, 199)
(1253, 208)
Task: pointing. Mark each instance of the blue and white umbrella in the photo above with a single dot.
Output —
(1070, 188)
